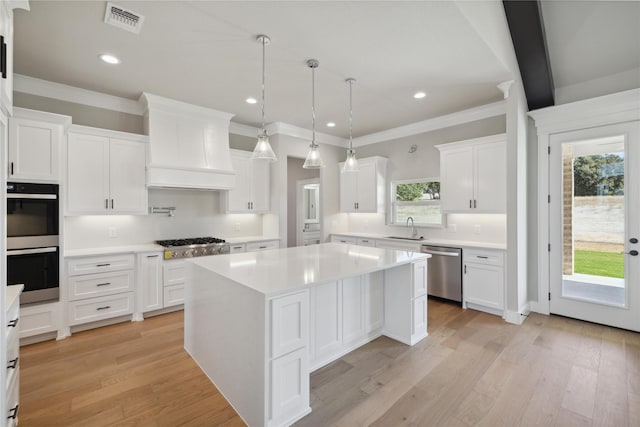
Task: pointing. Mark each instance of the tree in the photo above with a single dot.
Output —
(598, 175)
(409, 192)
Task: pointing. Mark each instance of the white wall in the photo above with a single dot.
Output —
(197, 214)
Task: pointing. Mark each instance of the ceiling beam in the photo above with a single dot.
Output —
(527, 34)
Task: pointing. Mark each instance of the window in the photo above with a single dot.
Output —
(416, 198)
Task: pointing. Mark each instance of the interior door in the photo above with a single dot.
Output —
(594, 228)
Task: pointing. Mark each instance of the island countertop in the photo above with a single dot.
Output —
(283, 270)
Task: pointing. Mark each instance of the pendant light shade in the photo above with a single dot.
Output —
(263, 150)
(351, 164)
(313, 160)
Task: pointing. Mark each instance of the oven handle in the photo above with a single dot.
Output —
(31, 251)
(31, 196)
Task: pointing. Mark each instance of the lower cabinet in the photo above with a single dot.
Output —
(150, 286)
(237, 248)
(289, 361)
(262, 246)
(175, 277)
(100, 287)
(12, 354)
(483, 280)
(39, 319)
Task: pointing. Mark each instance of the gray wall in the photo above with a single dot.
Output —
(82, 114)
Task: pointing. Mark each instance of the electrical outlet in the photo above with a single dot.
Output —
(451, 228)
(113, 232)
(236, 226)
(476, 228)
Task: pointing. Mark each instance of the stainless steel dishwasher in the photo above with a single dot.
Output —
(444, 277)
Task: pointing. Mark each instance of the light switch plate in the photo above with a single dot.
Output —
(113, 232)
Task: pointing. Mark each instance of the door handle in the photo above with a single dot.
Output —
(633, 240)
(633, 253)
(111, 203)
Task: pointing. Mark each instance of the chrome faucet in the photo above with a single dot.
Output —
(414, 232)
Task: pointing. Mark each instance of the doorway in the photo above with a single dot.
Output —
(295, 174)
(594, 208)
(308, 215)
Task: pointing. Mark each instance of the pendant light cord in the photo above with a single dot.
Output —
(264, 42)
(350, 114)
(313, 106)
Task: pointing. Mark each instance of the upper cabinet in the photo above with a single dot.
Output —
(34, 145)
(105, 172)
(6, 52)
(252, 191)
(473, 175)
(364, 191)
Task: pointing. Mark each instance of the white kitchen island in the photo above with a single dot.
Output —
(258, 323)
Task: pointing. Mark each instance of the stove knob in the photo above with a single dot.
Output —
(211, 251)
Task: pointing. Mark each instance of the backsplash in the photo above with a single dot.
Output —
(197, 214)
(489, 228)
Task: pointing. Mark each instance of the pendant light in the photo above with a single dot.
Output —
(313, 160)
(351, 164)
(263, 150)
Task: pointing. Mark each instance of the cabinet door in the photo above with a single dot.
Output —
(6, 30)
(150, 289)
(127, 177)
(289, 323)
(374, 301)
(33, 150)
(238, 199)
(289, 387)
(87, 174)
(484, 285)
(367, 190)
(419, 278)
(326, 319)
(348, 191)
(456, 179)
(352, 310)
(491, 177)
(419, 316)
(260, 185)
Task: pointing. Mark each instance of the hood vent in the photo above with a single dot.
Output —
(123, 18)
(188, 145)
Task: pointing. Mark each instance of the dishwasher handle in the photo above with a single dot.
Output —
(427, 251)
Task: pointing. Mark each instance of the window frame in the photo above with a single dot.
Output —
(393, 203)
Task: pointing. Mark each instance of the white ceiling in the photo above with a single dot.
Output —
(205, 53)
(588, 40)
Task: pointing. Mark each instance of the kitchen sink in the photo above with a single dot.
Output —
(406, 238)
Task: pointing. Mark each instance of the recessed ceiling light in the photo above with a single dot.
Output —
(251, 101)
(419, 95)
(109, 59)
(331, 125)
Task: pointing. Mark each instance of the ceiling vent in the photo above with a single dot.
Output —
(123, 18)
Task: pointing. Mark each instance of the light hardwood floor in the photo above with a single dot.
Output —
(473, 369)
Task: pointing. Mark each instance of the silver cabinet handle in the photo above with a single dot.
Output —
(103, 308)
(106, 203)
(111, 203)
(469, 203)
(103, 284)
(103, 265)
(482, 257)
(31, 251)
(440, 253)
(474, 203)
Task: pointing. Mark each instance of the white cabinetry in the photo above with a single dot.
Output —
(40, 319)
(105, 172)
(406, 306)
(289, 359)
(473, 175)
(149, 280)
(263, 246)
(252, 191)
(237, 248)
(99, 287)
(483, 280)
(12, 350)
(343, 239)
(365, 190)
(6, 61)
(175, 276)
(34, 145)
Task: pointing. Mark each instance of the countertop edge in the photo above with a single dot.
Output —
(429, 241)
(13, 292)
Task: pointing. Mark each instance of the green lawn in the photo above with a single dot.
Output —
(608, 264)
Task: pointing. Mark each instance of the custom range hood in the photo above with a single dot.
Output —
(188, 145)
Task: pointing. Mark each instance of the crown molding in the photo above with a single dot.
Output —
(18, 4)
(465, 116)
(621, 106)
(47, 89)
(281, 128)
(244, 130)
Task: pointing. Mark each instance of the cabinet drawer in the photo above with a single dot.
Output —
(419, 278)
(289, 322)
(173, 294)
(99, 308)
(13, 397)
(263, 246)
(483, 257)
(366, 242)
(13, 360)
(342, 239)
(175, 272)
(39, 319)
(98, 264)
(94, 285)
(238, 248)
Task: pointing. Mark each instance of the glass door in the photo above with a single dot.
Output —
(594, 227)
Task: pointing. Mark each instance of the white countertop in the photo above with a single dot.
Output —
(13, 292)
(149, 247)
(430, 241)
(282, 270)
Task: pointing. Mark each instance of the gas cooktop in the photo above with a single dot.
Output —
(193, 247)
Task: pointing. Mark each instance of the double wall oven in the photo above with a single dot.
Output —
(33, 252)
